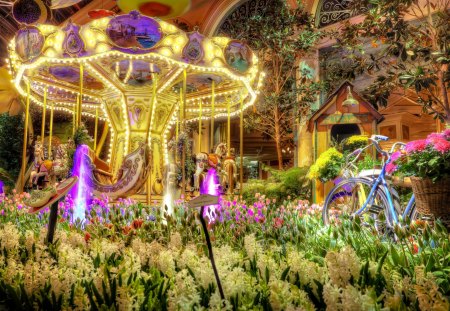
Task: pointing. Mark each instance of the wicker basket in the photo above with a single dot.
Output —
(433, 198)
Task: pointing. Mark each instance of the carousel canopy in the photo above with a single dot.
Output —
(123, 59)
(127, 53)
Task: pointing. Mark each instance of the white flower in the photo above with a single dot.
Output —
(176, 242)
(9, 238)
(342, 266)
(166, 263)
(251, 246)
(183, 295)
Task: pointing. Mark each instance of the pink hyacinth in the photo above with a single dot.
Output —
(416, 146)
(446, 133)
(395, 156)
(442, 146)
(390, 168)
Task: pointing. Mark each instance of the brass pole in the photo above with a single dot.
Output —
(200, 128)
(44, 111)
(101, 142)
(149, 178)
(25, 137)
(80, 100)
(213, 99)
(183, 155)
(95, 129)
(74, 120)
(51, 133)
(228, 127)
(241, 147)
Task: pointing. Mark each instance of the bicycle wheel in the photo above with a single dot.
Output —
(347, 197)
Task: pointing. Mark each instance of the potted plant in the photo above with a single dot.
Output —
(427, 162)
(327, 166)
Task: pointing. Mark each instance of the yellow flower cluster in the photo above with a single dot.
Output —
(357, 141)
(329, 160)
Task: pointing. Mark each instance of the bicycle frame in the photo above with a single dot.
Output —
(380, 182)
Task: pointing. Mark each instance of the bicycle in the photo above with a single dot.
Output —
(371, 196)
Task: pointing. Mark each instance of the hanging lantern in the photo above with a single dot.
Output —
(164, 9)
(350, 101)
(30, 11)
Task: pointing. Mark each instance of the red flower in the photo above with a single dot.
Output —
(137, 223)
(126, 229)
(415, 248)
(87, 237)
(278, 222)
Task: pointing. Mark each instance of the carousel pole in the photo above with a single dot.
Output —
(74, 119)
(149, 179)
(80, 98)
(228, 128)
(44, 111)
(177, 130)
(213, 99)
(241, 147)
(95, 129)
(51, 133)
(200, 127)
(25, 136)
(183, 155)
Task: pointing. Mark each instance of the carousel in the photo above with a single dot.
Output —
(146, 80)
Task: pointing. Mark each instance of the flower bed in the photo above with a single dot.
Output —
(270, 256)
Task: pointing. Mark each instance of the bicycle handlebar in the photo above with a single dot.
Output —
(375, 140)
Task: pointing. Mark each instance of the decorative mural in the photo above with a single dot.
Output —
(29, 43)
(134, 31)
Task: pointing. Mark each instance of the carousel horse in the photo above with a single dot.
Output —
(131, 176)
(40, 174)
(204, 161)
(61, 161)
(228, 179)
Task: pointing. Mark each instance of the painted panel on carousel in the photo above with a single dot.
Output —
(135, 72)
(198, 82)
(193, 51)
(29, 43)
(238, 56)
(73, 45)
(72, 75)
(134, 31)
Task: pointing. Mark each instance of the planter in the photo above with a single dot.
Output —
(433, 198)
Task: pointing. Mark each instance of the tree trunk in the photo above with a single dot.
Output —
(279, 154)
(278, 140)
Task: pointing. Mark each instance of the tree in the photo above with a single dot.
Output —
(281, 36)
(408, 52)
(11, 140)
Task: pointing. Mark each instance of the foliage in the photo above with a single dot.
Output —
(281, 36)
(281, 184)
(81, 136)
(183, 142)
(424, 158)
(412, 56)
(327, 166)
(270, 256)
(11, 142)
(356, 141)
